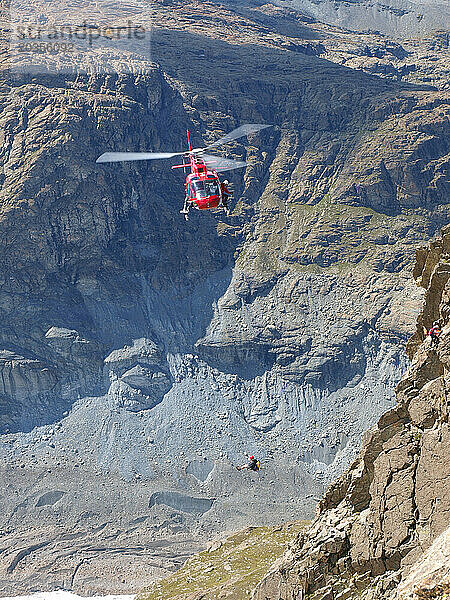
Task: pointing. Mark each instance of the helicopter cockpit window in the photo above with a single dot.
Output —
(197, 189)
(204, 188)
(212, 189)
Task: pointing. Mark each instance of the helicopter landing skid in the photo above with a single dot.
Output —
(185, 210)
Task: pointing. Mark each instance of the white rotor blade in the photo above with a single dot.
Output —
(218, 163)
(237, 133)
(122, 156)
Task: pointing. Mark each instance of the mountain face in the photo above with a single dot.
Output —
(383, 528)
(397, 18)
(141, 355)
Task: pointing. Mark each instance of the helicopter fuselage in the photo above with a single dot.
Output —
(203, 186)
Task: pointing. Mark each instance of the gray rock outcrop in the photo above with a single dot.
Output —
(138, 381)
(398, 18)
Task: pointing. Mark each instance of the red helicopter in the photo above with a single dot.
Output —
(204, 189)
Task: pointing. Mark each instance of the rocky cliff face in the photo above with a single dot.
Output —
(398, 18)
(141, 356)
(382, 529)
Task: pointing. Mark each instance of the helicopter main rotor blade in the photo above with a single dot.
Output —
(219, 163)
(237, 133)
(123, 156)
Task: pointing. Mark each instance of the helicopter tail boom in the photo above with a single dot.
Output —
(181, 166)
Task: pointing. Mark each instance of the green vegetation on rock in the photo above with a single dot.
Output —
(229, 568)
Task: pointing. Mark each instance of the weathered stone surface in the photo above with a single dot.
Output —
(139, 375)
(401, 18)
(430, 576)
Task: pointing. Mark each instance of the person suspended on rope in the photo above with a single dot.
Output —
(226, 194)
(434, 333)
(253, 464)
